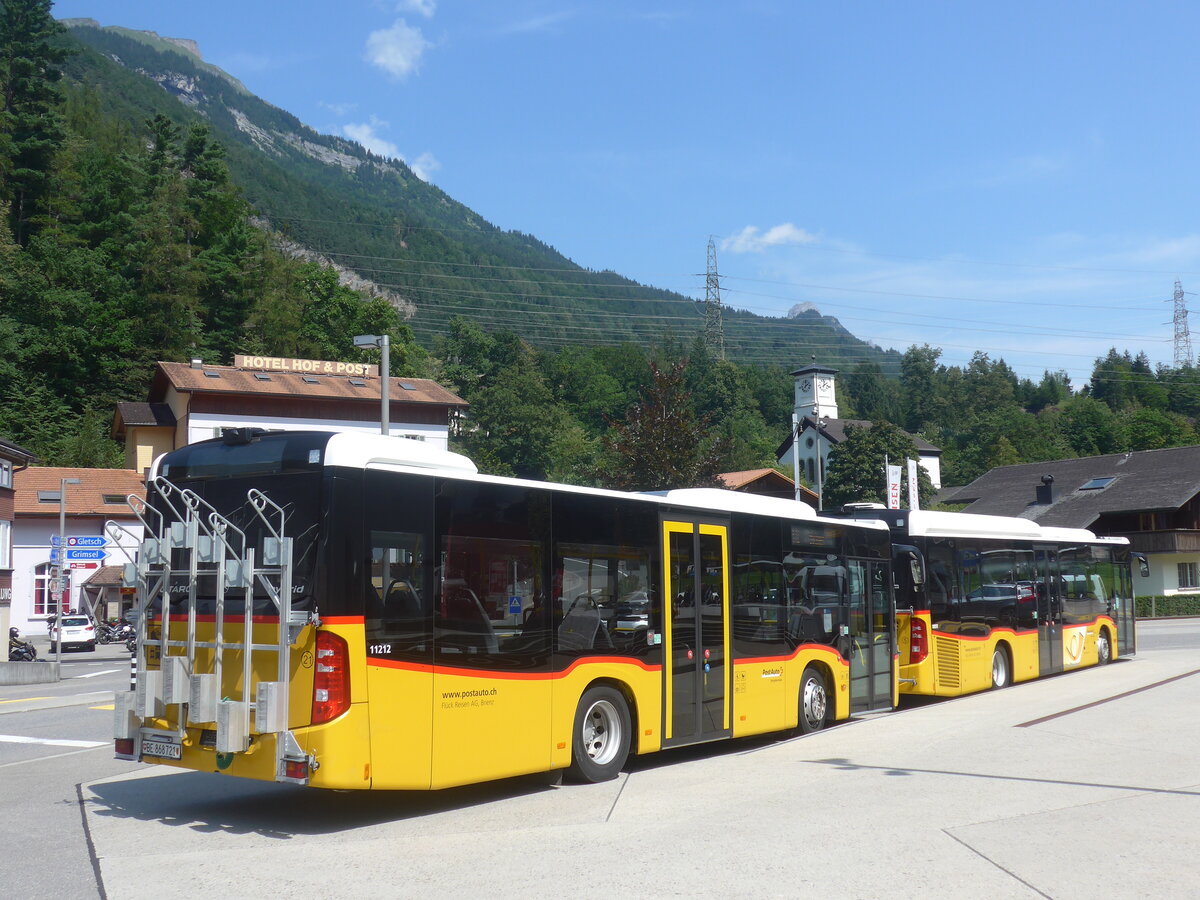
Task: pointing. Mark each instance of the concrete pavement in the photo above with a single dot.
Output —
(1080, 786)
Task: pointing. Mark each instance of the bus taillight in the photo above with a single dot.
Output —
(331, 683)
(918, 641)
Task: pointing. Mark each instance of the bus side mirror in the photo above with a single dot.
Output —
(1143, 567)
(918, 570)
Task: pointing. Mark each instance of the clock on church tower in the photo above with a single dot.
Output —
(815, 394)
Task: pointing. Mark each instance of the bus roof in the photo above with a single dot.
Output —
(931, 523)
(736, 501)
(359, 450)
(356, 450)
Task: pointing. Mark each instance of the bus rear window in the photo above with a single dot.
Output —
(267, 454)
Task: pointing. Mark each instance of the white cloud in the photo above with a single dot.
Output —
(338, 109)
(751, 240)
(396, 50)
(365, 134)
(538, 23)
(424, 166)
(1025, 169)
(424, 8)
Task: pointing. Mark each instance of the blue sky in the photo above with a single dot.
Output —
(1011, 177)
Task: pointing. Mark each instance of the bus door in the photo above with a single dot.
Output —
(1124, 613)
(872, 617)
(698, 675)
(1049, 613)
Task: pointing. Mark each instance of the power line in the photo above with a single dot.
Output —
(563, 301)
(815, 246)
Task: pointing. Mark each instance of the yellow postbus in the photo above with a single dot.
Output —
(348, 610)
(985, 601)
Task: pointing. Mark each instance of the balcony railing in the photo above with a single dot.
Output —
(1166, 541)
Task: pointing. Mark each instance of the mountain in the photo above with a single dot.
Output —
(330, 199)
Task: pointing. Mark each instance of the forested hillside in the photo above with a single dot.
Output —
(434, 254)
(128, 234)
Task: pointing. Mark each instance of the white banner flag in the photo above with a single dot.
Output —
(914, 500)
(893, 487)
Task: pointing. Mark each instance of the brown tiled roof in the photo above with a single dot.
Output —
(779, 484)
(83, 499)
(735, 480)
(105, 576)
(232, 380)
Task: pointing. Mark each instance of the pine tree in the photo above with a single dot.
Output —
(31, 128)
(856, 466)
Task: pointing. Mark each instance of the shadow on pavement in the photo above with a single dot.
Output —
(207, 802)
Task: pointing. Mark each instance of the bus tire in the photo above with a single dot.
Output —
(813, 701)
(1001, 668)
(601, 737)
(1103, 647)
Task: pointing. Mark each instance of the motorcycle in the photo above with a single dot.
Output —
(19, 650)
(131, 644)
(106, 633)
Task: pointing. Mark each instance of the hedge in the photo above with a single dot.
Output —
(1178, 605)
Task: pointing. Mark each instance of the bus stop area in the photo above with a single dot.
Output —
(1077, 786)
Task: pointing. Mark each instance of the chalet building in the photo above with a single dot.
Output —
(12, 459)
(40, 505)
(767, 483)
(819, 429)
(192, 402)
(1151, 497)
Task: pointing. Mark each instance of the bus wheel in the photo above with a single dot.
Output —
(601, 737)
(1001, 674)
(1103, 647)
(814, 701)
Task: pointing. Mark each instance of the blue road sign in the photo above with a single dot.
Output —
(86, 554)
(87, 540)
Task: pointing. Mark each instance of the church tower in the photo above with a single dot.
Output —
(814, 393)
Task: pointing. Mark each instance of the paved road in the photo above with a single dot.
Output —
(1083, 785)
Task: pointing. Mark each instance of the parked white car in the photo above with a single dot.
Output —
(77, 631)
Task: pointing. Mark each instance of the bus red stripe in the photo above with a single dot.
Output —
(509, 676)
(753, 660)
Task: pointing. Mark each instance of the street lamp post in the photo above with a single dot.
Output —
(381, 341)
(62, 563)
(820, 460)
(796, 454)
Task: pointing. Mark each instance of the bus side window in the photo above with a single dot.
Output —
(397, 607)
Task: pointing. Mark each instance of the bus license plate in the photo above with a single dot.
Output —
(162, 749)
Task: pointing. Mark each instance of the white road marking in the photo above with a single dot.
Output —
(48, 742)
(94, 674)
